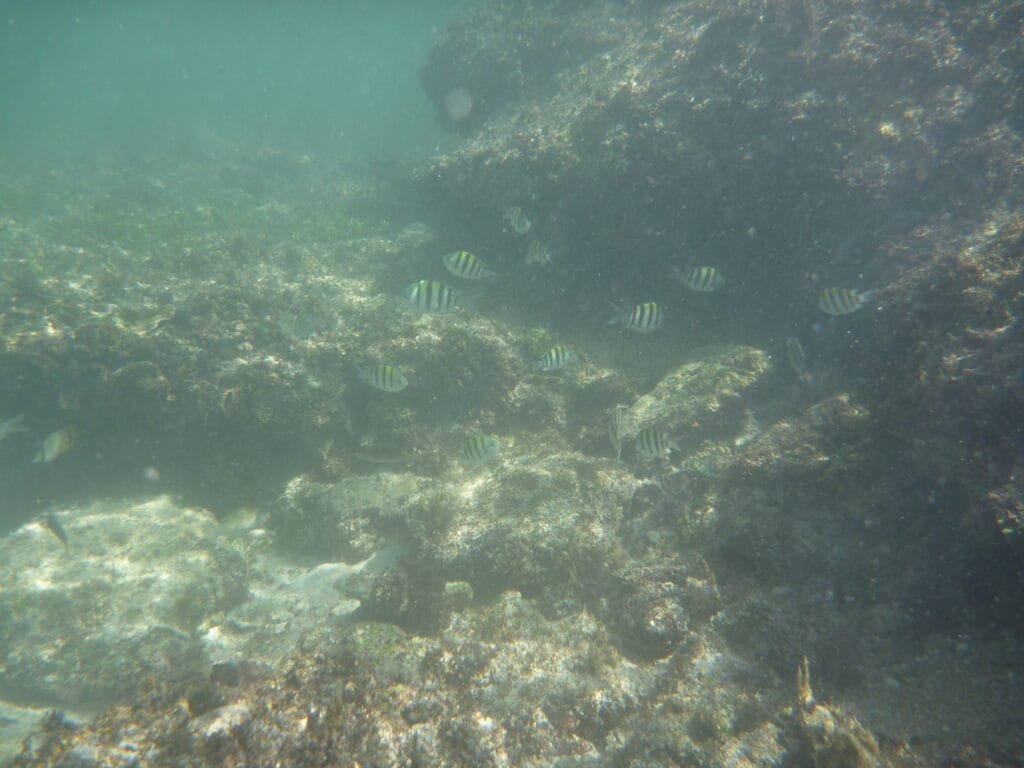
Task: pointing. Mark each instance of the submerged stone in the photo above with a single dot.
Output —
(700, 399)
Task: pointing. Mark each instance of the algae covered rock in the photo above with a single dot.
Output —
(413, 596)
(654, 604)
(536, 525)
(701, 398)
(827, 735)
(712, 706)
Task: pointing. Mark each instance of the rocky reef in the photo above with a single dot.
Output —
(278, 563)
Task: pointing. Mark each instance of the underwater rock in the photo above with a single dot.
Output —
(539, 526)
(221, 732)
(901, 451)
(411, 595)
(713, 708)
(658, 97)
(562, 680)
(422, 711)
(82, 625)
(829, 737)
(700, 399)
(654, 604)
(16, 723)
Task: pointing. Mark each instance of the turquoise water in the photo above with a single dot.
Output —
(337, 78)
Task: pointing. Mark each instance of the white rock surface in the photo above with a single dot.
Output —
(149, 589)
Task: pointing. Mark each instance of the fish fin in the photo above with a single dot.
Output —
(620, 313)
(468, 300)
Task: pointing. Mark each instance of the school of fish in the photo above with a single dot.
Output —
(435, 297)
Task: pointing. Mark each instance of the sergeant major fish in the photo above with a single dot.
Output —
(556, 358)
(465, 264)
(643, 318)
(431, 296)
(480, 449)
(843, 301)
(386, 378)
(652, 443)
(518, 220)
(701, 279)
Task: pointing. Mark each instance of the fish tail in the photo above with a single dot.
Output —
(620, 313)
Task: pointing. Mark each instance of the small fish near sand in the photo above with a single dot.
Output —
(843, 301)
(652, 443)
(643, 318)
(52, 524)
(518, 220)
(431, 296)
(55, 445)
(557, 358)
(386, 378)
(480, 449)
(700, 279)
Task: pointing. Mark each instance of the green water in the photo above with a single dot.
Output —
(218, 78)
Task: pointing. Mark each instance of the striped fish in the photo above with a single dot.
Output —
(431, 296)
(702, 279)
(465, 264)
(480, 449)
(843, 301)
(643, 318)
(652, 443)
(556, 358)
(538, 253)
(518, 220)
(386, 378)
